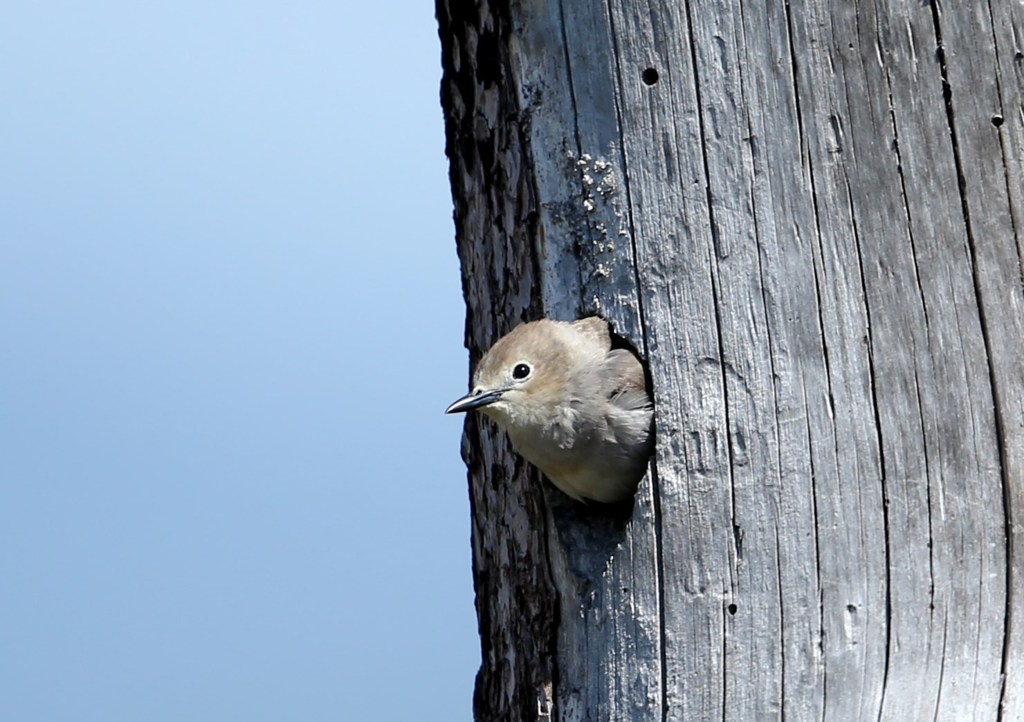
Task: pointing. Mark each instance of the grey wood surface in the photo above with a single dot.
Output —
(808, 218)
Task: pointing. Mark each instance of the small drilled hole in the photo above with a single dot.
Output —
(731, 608)
(650, 76)
(997, 120)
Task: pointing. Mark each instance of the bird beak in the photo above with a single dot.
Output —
(474, 401)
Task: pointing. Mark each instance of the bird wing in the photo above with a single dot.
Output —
(623, 380)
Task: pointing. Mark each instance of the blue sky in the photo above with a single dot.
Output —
(231, 319)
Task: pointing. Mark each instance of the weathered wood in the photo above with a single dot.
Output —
(808, 218)
(495, 208)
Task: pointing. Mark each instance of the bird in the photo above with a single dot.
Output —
(573, 406)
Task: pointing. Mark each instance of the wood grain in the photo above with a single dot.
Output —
(808, 218)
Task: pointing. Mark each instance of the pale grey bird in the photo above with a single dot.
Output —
(572, 406)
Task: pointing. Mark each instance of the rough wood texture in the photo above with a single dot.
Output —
(496, 215)
(809, 218)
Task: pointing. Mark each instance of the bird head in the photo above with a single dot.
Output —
(525, 376)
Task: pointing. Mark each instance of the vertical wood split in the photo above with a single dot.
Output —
(808, 217)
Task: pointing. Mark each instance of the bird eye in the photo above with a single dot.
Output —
(521, 371)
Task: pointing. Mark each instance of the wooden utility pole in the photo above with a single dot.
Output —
(808, 217)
